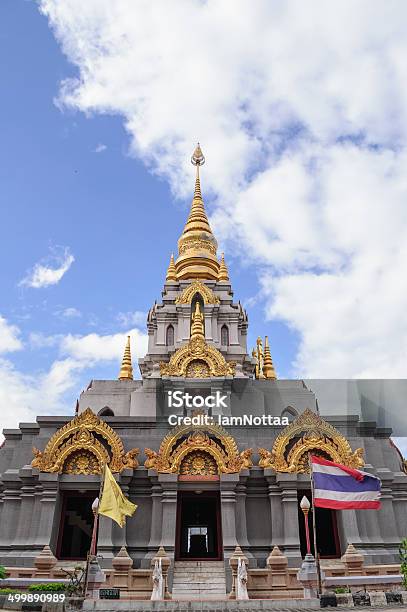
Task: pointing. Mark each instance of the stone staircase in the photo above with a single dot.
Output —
(199, 580)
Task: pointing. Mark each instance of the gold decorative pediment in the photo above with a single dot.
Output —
(309, 433)
(83, 446)
(197, 286)
(185, 441)
(197, 360)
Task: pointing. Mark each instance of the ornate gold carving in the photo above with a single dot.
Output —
(183, 440)
(308, 433)
(197, 286)
(96, 441)
(190, 359)
(258, 355)
(81, 462)
(197, 244)
(199, 463)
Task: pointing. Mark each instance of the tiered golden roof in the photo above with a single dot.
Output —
(126, 371)
(197, 245)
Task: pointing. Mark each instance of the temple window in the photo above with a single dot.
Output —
(169, 339)
(106, 411)
(224, 335)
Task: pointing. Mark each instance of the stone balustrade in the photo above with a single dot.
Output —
(275, 581)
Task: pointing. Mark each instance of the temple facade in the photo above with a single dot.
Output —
(205, 479)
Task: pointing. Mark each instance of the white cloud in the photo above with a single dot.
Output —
(303, 118)
(50, 392)
(9, 337)
(94, 348)
(70, 313)
(100, 148)
(126, 319)
(50, 270)
(38, 340)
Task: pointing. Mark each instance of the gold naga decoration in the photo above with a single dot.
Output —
(83, 446)
(195, 287)
(309, 433)
(193, 450)
(197, 359)
(264, 364)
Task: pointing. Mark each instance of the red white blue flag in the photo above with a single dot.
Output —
(341, 488)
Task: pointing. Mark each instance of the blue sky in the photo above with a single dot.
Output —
(304, 171)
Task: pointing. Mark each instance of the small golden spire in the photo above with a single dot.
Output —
(171, 272)
(198, 326)
(268, 367)
(126, 371)
(223, 270)
(258, 355)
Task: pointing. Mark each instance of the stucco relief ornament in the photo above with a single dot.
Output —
(197, 358)
(98, 444)
(195, 287)
(185, 440)
(308, 433)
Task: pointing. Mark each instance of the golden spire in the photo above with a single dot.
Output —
(171, 272)
(223, 270)
(268, 368)
(198, 326)
(197, 245)
(126, 371)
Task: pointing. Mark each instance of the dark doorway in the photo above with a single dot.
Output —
(327, 530)
(198, 527)
(75, 531)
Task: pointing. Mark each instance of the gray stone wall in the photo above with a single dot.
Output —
(259, 507)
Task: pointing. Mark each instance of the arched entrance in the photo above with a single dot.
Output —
(198, 535)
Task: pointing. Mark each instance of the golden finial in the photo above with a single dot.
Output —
(258, 355)
(223, 270)
(268, 367)
(198, 327)
(126, 371)
(198, 158)
(171, 272)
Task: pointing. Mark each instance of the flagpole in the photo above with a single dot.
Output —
(93, 543)
(314, 528)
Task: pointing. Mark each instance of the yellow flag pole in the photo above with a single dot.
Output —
(93, 543)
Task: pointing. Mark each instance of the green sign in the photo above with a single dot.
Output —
(109, 593)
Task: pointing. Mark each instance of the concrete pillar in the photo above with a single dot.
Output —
(169, 485)
(387, 517)
(291, 534)
(105, 541)
(276, 509)
(156, 513)
(11, 506)
(241, 519)
(48, 504)
(228, 484)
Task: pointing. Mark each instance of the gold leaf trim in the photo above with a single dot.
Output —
(82, 433)
(196, 286)
(314, 435)
(213, 439)
(190, 359)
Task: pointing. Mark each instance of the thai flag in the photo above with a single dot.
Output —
(341, 488)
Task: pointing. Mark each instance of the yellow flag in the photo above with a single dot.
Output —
(113, 503)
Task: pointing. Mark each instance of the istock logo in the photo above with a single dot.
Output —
(177, 399)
